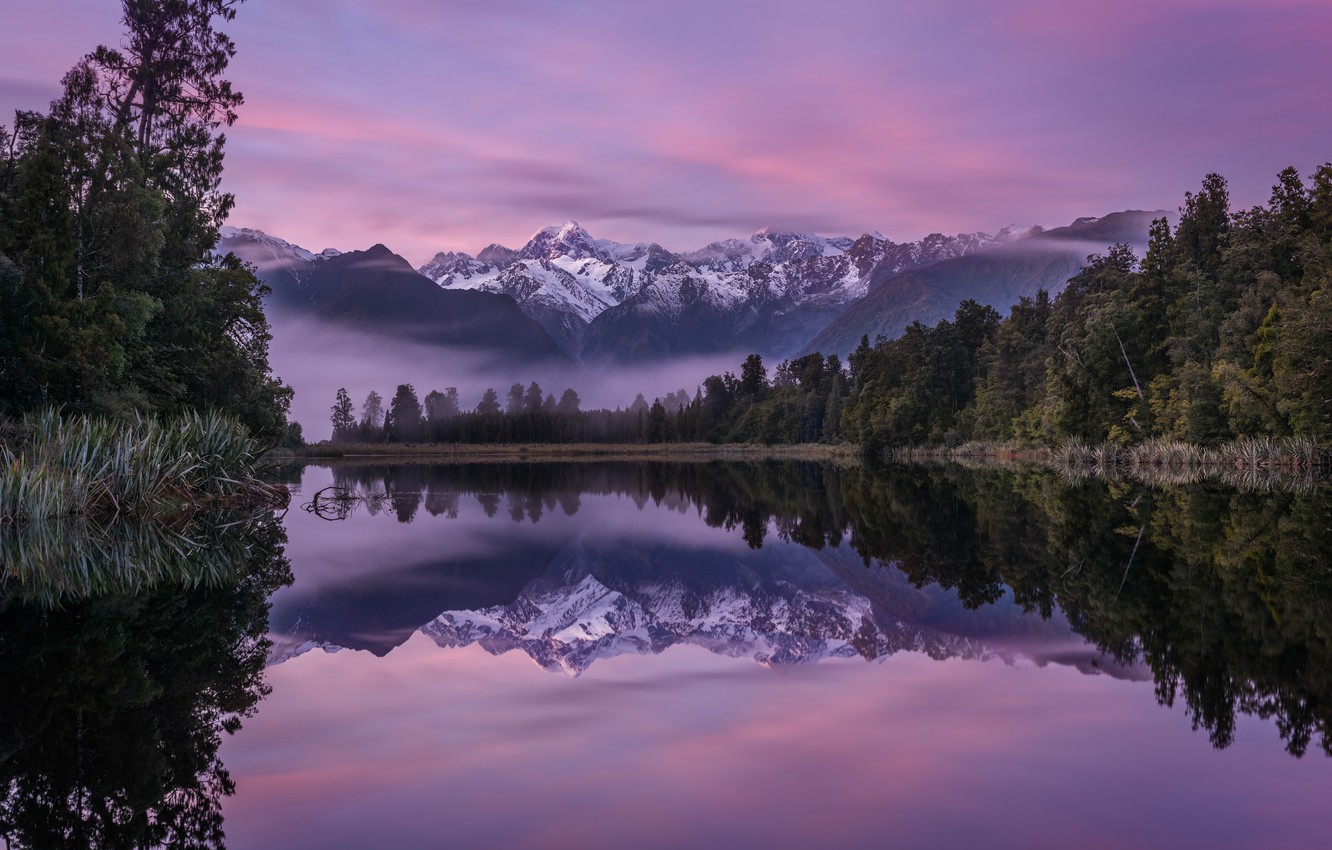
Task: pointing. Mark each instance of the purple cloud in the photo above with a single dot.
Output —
(449, 126)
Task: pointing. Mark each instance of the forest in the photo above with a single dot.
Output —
(1222, 330)
(111, 298)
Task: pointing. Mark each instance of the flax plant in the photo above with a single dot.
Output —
(55, 560)
(100, 467)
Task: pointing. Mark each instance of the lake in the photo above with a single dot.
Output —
(707, 654)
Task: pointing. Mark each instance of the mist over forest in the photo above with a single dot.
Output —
(316, 359)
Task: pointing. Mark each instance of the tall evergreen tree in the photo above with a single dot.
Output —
(344, 417)
(516, 402)
(372, 411)
(489, 404)
(403, 422)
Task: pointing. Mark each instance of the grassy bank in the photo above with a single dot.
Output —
(53, 465)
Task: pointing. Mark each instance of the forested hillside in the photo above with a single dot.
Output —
(1223, 329)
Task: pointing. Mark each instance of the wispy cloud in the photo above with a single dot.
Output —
(449, 126)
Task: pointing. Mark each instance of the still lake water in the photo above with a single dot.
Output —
(706, 654)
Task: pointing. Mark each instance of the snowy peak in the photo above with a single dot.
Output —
(1013, 232)
(728, 255)
(497, 255)
(777, 243)
(770, 292)
(271, 247)
(567, 240)
(567, 621)
(448, 267)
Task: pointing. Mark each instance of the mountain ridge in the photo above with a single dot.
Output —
(779, 292)
(377, 291)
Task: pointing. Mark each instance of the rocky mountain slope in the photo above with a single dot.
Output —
(377, 292)
(778, 293)
(599, 598)
(999, 276)
(608, 302)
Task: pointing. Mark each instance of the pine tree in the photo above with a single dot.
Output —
(112, 204)
(533, 399)
(489, 404)
(516, 403)
(403, 422)
(344, 417)
(568, 403)
(372, 411)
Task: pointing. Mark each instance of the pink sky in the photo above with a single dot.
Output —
(449, 125)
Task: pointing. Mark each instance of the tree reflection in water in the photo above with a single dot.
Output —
(1224, 593)
(121, 672)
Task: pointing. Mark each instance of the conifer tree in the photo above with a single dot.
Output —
(372, 411)
(112, 202)
(403, 421)
(489, 404)
(344, 417)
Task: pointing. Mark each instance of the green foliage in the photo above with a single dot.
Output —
(111, 300)
(1223, 329)
(96, 466)
(124, 666)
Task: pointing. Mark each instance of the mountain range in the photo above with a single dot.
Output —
(378, 292)
(565, 295)
(600, 598)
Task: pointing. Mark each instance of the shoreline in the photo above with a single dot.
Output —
(1247, 463)
(511, 452)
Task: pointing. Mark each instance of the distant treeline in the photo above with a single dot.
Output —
(527, 415)
(1222, 330)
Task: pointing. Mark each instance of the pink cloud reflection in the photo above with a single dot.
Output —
(689, 749)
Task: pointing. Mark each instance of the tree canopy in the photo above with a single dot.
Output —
(111, 298)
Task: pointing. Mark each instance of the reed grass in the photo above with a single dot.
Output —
(50, 561)
(62, 466)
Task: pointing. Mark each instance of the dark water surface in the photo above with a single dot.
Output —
(707, 655)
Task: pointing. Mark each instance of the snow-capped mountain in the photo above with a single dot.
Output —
(280, 250)
(1017, 262)
(567, 628)
(287, 268)
(602, 597)
(778, 293)
(608, 301)
(377, 292)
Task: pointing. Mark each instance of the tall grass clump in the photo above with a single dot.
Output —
(75, 557)
(98, 467)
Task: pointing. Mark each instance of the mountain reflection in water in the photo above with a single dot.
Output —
(1220, 596)
(684, 605)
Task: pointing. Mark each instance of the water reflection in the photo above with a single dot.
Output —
(125, 653)
(1221, 596)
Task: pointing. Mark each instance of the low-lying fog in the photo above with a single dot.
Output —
(315, 359)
